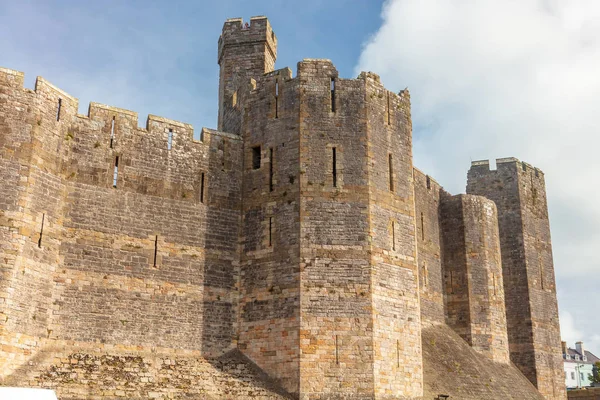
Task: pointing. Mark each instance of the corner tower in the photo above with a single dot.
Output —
(246, 51)
(519, 191)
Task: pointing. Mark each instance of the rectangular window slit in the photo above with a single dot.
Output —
(337, 352)
(428, 179)
(333, 94)
(334, 169)
(112, 132)
(494, 282)
(391, 172)
(202, 188)
(389, 121)
(170, 140)
(397, 353)
(58, 109)
(393, 236)
(271, 169)
(541, 275)
(256, 157)
(451, 284)
(422, 227)
(425, 275)
(276, 99)
(270, 231)
(116, 172)
(155, 249)
(41, 231)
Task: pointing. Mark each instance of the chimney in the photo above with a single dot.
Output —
(580, 349)
(564, 347)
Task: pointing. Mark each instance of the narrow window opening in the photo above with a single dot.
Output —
(494, 282)
(389, 120)
(397, 353)
(541, 275)
(271, 169)
(425, 275)
(337, 352)
(155, 249)
(276, 98)
(428, 179)
(270, 231)
(58, 109)
(391, 172)
(234, 99)
(41, 231)
(202, 188)
(393, 236)
(451, 284)
(334, 169)
(170, 140)
(112, 132)
(116, 172)
(333, 94)
(256, 157)
(422, 227)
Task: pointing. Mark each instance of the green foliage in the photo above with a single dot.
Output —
(595, 377)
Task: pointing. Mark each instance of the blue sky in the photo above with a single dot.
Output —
(488, 79)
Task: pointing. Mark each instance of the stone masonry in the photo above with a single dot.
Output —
(295, 252)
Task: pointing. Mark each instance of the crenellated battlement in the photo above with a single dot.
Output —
(506, 162)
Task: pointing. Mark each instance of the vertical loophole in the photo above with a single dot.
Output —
(271, 169)
(270, 231)
(276, 99)
(425, 275)
(337, 351)
(451, 284)
(58, 109)
(202, 188)
(428, 179)
(541, 275)
(334, 166)
(170, 140)
(112, 132)
(393, 236)
(422, 227)
(41, 231)
(155, 249)
(116, 172)
(494, 282)
(397, 353)
(332, 94)
(391, 172)
(256, 157)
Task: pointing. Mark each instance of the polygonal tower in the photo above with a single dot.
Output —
(519, 191)
(246, 51)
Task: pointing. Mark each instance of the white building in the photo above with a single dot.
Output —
(578, 365)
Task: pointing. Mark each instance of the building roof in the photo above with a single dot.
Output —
(591, 358)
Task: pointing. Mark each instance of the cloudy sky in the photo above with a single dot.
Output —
(488, 79)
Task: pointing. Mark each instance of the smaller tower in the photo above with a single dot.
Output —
(246, 51)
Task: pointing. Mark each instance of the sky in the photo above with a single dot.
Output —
(488, 79)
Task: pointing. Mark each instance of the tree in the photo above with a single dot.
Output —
(594, 377)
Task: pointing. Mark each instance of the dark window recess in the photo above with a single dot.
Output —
(391, 172)
(333, 94)
(256, 157)
(422, 227)
(276, 99)
(41, 231)
(451, 284)
(334, 166)
(270, 231)
(155, 249)
(170, 140)
(337, 352)
(428, 179)
(542, 276)
(58, 109)
(112, 133)
(116, 172)
(393, 236)
(271, 169)
(202, 188)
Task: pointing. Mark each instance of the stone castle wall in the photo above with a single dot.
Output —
(298, 255)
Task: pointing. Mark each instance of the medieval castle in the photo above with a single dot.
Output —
(295, 252)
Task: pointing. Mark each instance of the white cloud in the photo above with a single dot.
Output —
(492, 79)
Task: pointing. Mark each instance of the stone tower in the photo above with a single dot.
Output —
(246, 51)
(519, 191)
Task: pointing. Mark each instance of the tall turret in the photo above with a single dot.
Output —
(519, 191)
(246, 51)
